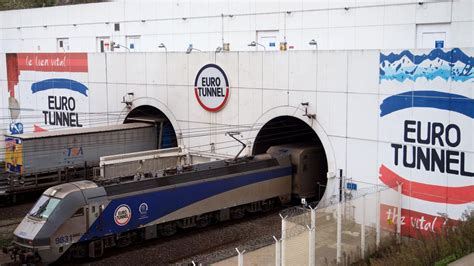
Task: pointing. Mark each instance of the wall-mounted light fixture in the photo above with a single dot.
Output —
(163, 46)
(128, 100)
(191, 48)
(114, 45)
(310, 116)
(254, 44)
(226, 47)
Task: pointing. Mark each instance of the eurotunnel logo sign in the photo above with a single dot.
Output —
(58, 92)
(122, 215)
(211, 87)
(427, 126)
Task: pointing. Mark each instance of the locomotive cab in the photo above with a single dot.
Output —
(57, 220)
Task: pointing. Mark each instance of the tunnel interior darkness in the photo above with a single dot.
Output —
(150, 114)
(288, 130)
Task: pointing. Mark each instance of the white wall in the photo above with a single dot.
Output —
(343, 88)
(352, 24)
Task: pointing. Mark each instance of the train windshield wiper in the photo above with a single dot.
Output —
(44, 207)
(40, 210)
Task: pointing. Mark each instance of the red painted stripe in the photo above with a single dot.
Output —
(43, 62)
(12, 73)
(414, 224)
(53, 62)
(38, 129)
(432, 193)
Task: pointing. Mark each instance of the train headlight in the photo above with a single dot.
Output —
(53, 192)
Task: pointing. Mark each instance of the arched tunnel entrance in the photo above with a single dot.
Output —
(166, 135)
(290, 135)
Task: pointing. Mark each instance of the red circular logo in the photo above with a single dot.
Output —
(122, 215)
(211, 87)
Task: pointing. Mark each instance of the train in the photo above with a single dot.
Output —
(36, 161)
(84, 218)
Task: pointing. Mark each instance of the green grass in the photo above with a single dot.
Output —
(4, 242)
(436, 249)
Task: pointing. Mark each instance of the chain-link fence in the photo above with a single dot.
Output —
(338, 230)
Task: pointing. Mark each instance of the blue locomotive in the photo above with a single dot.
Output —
(83, 219)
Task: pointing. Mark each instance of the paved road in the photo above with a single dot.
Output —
(464, 261)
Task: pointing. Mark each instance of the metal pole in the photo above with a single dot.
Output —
(377, 219)
(340, 185)
(339, 233)
(160, 136)
(399, 211)
(240, 258)
(312, 239)
(277, 252)
(283, 239)
(362, 230)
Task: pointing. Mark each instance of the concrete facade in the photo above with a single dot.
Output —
(144, 24)
(386, 115)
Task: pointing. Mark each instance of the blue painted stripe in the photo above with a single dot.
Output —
(167, 201)
(428, 99)
(59, 84)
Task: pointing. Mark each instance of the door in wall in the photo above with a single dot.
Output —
(103, 44)
(269, 39)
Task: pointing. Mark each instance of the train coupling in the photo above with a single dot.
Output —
(13, 251)
(23, 256)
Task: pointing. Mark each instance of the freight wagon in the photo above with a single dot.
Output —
(39, 160)
(116, 167)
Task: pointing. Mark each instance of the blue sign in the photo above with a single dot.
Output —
(16, 128)
(351, 186)
(439, 44)
(272, 44)
(132, 46)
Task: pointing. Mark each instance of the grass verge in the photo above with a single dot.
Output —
(437, 249)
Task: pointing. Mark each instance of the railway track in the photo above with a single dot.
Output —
(9, 224)
(10, 217)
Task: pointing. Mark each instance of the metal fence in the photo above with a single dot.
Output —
(338, 231)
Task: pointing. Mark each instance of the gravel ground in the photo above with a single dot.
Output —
(17, 211)
(10, 217)
(204, 246)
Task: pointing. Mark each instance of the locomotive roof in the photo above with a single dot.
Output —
(60, 191)
(79, 131)
(198, 172)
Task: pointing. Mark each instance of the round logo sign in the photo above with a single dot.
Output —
(122, 215)
(143, 208)
(211, 87)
